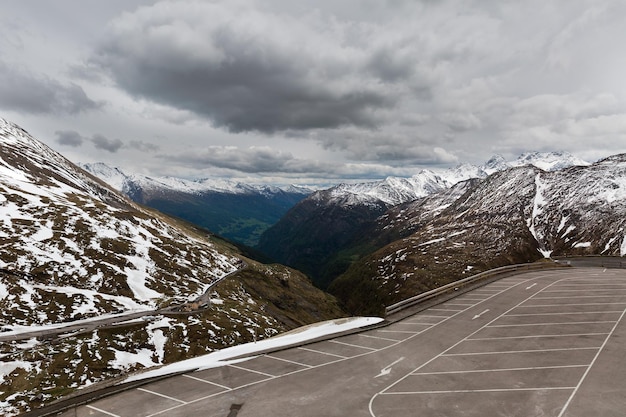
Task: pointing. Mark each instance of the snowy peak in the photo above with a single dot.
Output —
(390, 191)
(494, 164)
(124, 182)
(549, 161)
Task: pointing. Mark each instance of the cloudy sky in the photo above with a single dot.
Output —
(313, 91)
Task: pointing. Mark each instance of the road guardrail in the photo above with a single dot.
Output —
(459, 286)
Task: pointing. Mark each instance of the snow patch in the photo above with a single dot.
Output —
(225, 356)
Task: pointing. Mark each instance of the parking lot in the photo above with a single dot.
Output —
(545, 343)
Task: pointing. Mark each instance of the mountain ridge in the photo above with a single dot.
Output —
(236, 211)
(323, 234)
(73, 249)
(522, 214)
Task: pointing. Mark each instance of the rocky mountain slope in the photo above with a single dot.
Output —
(73, 250)
(236, 211)
(327, 231)
(518, 215)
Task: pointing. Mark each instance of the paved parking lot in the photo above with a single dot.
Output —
(546, 343)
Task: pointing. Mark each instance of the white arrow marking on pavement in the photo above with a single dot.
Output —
(478, 315)
(531, 286)
(387, 369)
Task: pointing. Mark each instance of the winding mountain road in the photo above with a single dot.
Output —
(89, 325)
(543, 343)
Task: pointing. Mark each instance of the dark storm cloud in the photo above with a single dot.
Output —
(246, 70)
(106, 144)
(69, 138)
(75, 139)
(22, 91)
(251, 160)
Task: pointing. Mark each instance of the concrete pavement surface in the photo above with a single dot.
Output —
(544, 343)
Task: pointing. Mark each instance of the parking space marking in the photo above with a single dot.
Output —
(251, 370)
(460, 391)
(288, 361)
(416, 323)
(476, 371)
(304, 367)
(582, 379)
(397, 331)
(537, 336)
(578, 296)
(350, 344)
(519, 351)
(324, 353)
(571, 305)
(378, 337)
(564, 313)
(442, 309)
(586, 290)
(207, 382)
(102, 411)
(161, 395)
(549, 324)
(385, 391)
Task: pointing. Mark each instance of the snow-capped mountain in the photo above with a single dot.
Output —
(390, 191)
(549, 161)
(73, 250)
(74, 235)
(312, 235)
(127, 182)
(518, 215)
(237, 211)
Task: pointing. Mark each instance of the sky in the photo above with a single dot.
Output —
(325, 91)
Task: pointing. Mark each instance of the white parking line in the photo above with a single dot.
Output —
(161, 395)
(397, 331)
(475, 371)
(288, 361)
(207, 382)
(377, 337)
(323, 353)
(579, 296)
(464, 391)
(519, 351)
(586, 290)
(538, 335)
(419, 323)
(102, 411)
(562, 313)
(384, 391)
(349, 344)
(251, 370)
(572, 305)
(550, 324)
(582, 379)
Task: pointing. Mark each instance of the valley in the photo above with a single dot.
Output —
(96, 286)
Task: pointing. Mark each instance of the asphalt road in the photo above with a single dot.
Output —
(89, 325)
(545, 343)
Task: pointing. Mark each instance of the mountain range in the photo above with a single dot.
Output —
(239, 212)
(74, 250)
(78, 246)
(327, 231)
